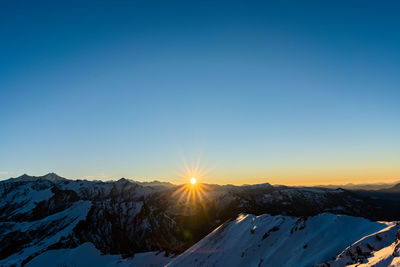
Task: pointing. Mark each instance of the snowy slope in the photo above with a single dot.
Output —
(86, 255)
(19, 197)
(279, 241)
(378, 249)
(40, 234)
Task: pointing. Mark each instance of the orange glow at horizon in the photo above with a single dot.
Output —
(291, 175)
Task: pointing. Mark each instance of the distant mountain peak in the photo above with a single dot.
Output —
(397, 186)
(155, 183)
(393, 189)
(53, 177)
(258, 185)
(123, 181)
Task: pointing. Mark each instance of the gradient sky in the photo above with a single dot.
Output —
(256, 91)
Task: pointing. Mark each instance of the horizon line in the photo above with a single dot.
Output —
(393, 181)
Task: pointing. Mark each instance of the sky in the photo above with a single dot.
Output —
(233, 92)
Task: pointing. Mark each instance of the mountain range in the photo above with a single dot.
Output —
(126, 223)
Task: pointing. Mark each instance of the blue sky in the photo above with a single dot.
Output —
(256, 91)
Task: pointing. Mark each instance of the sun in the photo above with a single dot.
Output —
(193, 180)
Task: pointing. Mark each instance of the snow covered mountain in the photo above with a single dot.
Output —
(39, 214)
(263, 241)
(51, 215)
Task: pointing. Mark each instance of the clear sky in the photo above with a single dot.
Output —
(256, 91)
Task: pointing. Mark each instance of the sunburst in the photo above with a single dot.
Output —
(193, 194)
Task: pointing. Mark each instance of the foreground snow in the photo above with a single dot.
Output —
(86, 255)
(282, 241)
(379, 249)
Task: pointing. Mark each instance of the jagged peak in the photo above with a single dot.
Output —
(155, 183)
(53, 177)
(124, 180)
(257, 185)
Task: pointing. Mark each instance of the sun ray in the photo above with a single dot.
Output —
(190, 198)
